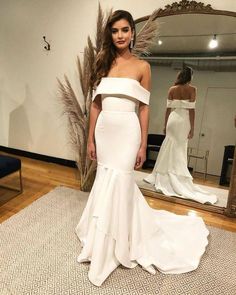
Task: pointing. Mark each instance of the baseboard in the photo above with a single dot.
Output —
(36, 156)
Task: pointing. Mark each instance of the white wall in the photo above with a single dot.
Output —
(29, 111)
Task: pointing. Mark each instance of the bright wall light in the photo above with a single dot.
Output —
(213, 43)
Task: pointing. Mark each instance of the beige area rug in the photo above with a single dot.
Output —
(222, 194)
(39, 249)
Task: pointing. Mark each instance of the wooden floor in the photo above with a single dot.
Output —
(41, 177)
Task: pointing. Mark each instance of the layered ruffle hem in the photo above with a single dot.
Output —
(118, 227)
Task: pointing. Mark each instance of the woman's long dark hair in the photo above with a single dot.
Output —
(184, 76)
(107, 54)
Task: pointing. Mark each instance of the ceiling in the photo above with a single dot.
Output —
(184, 35)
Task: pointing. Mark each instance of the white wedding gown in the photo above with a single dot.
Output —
(170, 174)
(117, 225)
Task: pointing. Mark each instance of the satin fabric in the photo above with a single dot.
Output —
(117, 226)
(170, 174)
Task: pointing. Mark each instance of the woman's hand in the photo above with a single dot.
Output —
(141, 157)
(190, 135)
(91, 151)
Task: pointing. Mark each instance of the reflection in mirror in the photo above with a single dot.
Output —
(184, 40)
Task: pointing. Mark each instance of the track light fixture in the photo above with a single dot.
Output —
(213, 43)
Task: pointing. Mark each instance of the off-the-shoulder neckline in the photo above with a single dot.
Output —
(132, 79)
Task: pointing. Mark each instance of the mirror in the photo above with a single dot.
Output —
(183, 40)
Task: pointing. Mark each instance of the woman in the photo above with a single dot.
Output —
(117, 225)
(170, 174)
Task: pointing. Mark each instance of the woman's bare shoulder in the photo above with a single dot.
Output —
(144, 73)
(145, 65)
(172, 88)
(171, 91)
(193, 88)
(142, 64)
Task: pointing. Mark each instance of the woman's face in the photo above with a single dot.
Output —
(121, 34)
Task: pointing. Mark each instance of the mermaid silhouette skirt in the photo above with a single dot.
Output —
(117, 226)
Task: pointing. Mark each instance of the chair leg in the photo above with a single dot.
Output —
(21, 183)
(194, 167)
(146, 161)
(19, 189)
(205, 174)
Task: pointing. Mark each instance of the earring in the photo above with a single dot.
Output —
(132, 43)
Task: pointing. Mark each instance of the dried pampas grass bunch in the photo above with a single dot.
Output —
(77, 113)
(146, 36)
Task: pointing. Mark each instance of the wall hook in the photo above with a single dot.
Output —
(47, 47)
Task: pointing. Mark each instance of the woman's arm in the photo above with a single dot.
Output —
(95, 109)
(168, 111)
(143, 117)
(191, 118)
(192, 114)
(144, 121)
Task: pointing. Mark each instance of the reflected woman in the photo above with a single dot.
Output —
(170, 174)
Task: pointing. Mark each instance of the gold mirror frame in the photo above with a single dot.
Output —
(194, 7)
